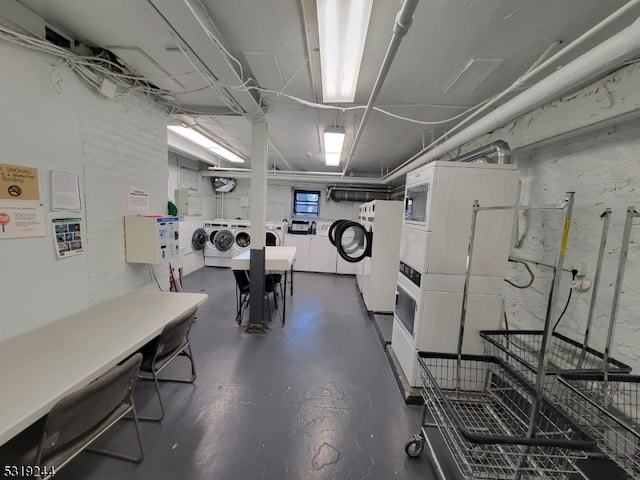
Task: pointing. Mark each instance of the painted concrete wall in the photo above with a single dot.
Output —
(602, 168)
(280, 202)
(586, 142)
(52, 121)
(204, 194)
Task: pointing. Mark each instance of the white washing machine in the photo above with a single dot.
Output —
(220, 239)
(241, 230)
(274, 234)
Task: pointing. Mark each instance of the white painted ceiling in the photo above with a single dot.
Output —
(276, 43)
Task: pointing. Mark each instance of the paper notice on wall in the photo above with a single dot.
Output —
(65, 191)
(18, 182)
(138, 200)
(68, 237)
(21, 219)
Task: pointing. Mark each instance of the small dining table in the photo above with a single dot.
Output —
(276, 259)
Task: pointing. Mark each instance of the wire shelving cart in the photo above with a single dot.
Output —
(607, 404)
(522, 348)
(494, 424)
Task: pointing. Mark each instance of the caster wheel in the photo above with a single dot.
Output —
(415, 446)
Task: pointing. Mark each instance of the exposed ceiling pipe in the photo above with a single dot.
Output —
(404, 18)
(499, 147)
(310, 177)
(592, 65)
(622, 12)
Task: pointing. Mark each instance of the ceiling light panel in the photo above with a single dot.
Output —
(206, 142)
(342, 28)
(333, 142)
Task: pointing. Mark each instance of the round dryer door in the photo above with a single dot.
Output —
(271, 239)
(332, 231)
(199, 239)
(243, 239)
(223, 240)
(353, 241)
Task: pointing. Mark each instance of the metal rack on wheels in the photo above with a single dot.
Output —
(608, 405)
(494, 424)
(522, 348)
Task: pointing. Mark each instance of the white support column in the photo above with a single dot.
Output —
(258, 217)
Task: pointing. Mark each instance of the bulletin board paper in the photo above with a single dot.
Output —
(21, 219)
(65, 191)
(138, 200)
(18, 182)
(68, 237)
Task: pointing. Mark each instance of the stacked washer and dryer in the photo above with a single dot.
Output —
(434, 243)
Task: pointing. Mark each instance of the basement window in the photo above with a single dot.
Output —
(306, 202)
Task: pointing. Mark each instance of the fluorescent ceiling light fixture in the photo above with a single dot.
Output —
(200, 139)
(333, 141)
(342, 28)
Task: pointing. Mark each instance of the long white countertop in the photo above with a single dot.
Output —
(40, 367)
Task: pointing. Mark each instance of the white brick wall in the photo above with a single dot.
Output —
(124, 146)
(603, 170)
(111, 146)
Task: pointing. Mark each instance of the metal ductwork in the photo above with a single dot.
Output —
(357, 193)
(499, 147)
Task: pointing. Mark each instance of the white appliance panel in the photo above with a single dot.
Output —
(402, 346)
(452, 207)
(438, 328)
(415, 247)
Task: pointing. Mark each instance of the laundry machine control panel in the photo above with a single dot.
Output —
(151, 239)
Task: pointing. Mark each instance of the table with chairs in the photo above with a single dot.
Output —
(279, 272)
(78, 378)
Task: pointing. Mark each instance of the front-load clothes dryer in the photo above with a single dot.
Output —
(274, 234)
(217, 251)
(373, 242)
(199, 239)
(241, 230)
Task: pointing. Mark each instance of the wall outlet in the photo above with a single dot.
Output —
(581, 268)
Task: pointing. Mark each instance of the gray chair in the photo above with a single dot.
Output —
(172, 342)
(76, 421)
(243, 288)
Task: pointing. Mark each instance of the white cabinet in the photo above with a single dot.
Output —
(301, 259)
(323, 255)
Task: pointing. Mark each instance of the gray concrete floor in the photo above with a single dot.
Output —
(315, 399)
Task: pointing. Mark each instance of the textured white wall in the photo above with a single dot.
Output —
(602, 168)
(52, 121)
(193, 259)
(586, 142)
(280, 202)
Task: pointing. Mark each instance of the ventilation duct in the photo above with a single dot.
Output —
(499, 147)
(357, 193)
